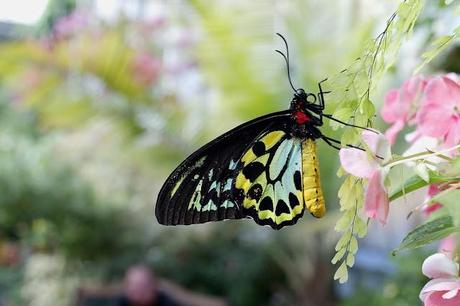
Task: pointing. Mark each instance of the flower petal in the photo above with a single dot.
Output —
(450, 294)
(376, 202)
(439, 285)
(357, 163)
(393, 131)
(437, 115)
(439, 265)
(453, 135)
(390, 107)
(377, 143)
(398, 103)
(436, 299)
(448, 245)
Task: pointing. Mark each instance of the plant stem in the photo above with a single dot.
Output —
(416, 156)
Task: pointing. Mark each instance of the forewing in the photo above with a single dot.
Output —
(201, 188)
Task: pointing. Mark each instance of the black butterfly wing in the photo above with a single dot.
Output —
(201, 188)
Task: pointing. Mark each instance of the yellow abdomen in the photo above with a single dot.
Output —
(312, 192)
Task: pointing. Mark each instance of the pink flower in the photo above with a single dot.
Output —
(398, 107)
(360, 164)
(146, 68)
(443, 288)
(429, 208)
(448, 245)
(439, 114)
(68, 25)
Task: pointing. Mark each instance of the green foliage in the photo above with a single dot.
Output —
(226, 263)
(227, 57)
(352, 97)
(46, 204)
(416, 182)
(437, 46)
(400, 288)
(77, 78)
(413, 183)
(427, 233)
(351, 196)
(10, 281)
(54, 10)
(449, 199)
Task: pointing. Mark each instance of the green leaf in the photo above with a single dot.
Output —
(451, 169)
(360, 227)
(368, 108)
(416, 182)
(427, 233)
(350, 260)
(342, 273)
(353, 248)
(344, 221)
(338, 256)
(422, 171)
(436, 47)
(413, 183)
(449, 199)
(343, 241)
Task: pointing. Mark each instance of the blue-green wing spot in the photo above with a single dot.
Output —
(269, 182)
(201, 188)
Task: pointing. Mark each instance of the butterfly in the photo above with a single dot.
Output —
(266, 169)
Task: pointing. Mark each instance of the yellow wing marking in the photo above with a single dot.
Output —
(272, 138)
(312, 191)
(242, 182)
(285, 200)
(269, 141)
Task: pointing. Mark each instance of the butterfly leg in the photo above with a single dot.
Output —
(329, 141)
(329, 116)
(321, 95)
(318, 108)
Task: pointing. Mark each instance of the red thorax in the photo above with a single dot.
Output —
(301, 117)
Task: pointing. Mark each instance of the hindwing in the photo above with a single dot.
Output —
(269, 183)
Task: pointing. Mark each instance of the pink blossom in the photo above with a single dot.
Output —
(429, 208)
(376, 203)
(146, 68)
(439, 114)
(70, 24)
(448, 245)
(443, 288)
(360, 164)
(399, 105)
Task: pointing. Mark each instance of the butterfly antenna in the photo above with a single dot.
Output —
(286, 58)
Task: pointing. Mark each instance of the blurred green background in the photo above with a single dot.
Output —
(100, 100)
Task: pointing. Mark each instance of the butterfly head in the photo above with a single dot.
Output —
(302, 99)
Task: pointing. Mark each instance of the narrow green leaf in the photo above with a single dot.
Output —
(344, 222)
(343, 240)
(436, 47)
(338, 256)
(342, 273)
(427, 233)
(416, 182)
(353, 248)
(360, 227)
(350, 260)
(413, 183)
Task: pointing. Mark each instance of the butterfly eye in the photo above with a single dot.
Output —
(300, 92)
